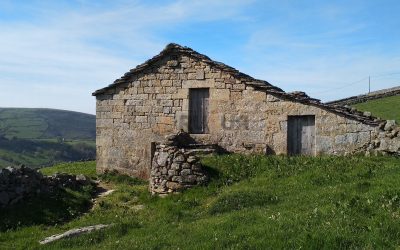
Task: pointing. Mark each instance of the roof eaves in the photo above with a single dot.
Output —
(339, 110)
(172, 47)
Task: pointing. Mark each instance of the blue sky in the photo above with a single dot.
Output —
(54, 54)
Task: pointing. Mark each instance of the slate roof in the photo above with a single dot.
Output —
(345, 111)
(174, 48)
(261, 85)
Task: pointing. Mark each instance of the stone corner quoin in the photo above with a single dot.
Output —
(240, 114)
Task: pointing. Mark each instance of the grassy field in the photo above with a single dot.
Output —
(387, 108)
(31, 123)
(42, 137)
(34, 153)
(87, 168)
(251, 202)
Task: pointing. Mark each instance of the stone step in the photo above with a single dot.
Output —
(202, 146)
(200, 151)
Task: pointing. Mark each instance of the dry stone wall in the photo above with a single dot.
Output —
(155, 103)
(19, 183)
(174, 169)
(367, 97)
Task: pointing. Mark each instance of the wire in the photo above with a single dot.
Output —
(389, 74)
(345, 85)
(341, 87)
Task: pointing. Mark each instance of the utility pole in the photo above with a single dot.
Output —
(369, 84)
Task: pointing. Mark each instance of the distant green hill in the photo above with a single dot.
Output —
(387, 108)
(42, 137)
(28, 123)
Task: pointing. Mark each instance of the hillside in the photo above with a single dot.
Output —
(379, 94)
(33, 123)
(387, 108)
(36, 153)
(43, 137)
(251, 202)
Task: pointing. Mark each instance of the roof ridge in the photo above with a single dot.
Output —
(186, 50)
(300, 97)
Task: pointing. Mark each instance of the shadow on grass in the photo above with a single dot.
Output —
(46, 209)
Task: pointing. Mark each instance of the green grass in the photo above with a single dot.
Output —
(46, 209)
(87, 168)
(43, 137)
(55, 208)
(38, 153)
(386, 108)
(251, 202)
(31, 123)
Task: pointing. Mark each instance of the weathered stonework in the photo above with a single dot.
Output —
(245, 115)
(17, 184)
(174, 169)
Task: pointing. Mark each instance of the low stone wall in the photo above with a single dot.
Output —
(174, 169)
(19, 183)
(363, 98)
(386, 140)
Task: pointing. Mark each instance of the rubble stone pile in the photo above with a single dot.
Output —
(18, 183)
(175, 167)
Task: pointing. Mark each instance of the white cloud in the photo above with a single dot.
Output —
(326, 62)
(63, 53)
(58, 59)
(335, 77)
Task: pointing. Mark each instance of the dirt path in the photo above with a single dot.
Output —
(102, 190)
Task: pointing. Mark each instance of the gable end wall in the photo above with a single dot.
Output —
(155, 103)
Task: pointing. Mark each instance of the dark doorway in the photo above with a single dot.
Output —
(198, 111)
(301, 135)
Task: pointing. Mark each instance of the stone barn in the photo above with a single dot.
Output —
(183, 90)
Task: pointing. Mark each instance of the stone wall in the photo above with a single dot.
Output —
(154, 102)
(174, 169)
(367, 97)
(238, 128)
(17, 184)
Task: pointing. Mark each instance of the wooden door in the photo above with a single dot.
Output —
(198, 111)
(301, 135)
